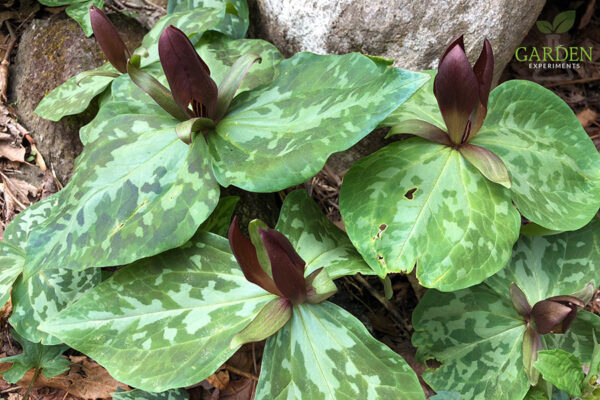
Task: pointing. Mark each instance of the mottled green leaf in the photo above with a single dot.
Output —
(281, 134)
(137, 394)
(74, 96)
(35, 355)
(544, 26)
(421, 105)
(45, 294)
(166, 321)
(326, 353)
(220, 53)
(12, 261)
(79, 10)
(553, 164)
(443, 395)
(420, 202)
(193, 23)
(131, 196)
(318, 241)
(476, 333)
(220, 219)
(561, 369)
(236, 20)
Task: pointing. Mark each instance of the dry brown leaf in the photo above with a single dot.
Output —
(219, 380)
(12, 152)
(587, 116)
(6, 310)
(241, 389)
(85, 379)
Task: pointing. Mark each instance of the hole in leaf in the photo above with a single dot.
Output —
(382, 228)
(410, 193)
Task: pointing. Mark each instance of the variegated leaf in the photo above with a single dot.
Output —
(420, 202)
(44, 295)
(281, 134)
(137, 394)
(207, 15)
(12, 262)
(326, 353)
(220, 219)
(318, 241)
(219, 53)
(422, 105)
(45, 358)
(166, 321)
(74, 96)
(130, 197)
(236, 20)
(13, 250)
(477, 334)
(553, 164)
(79, 10)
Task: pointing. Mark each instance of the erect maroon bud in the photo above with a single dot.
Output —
(286, 265)
(245, 254)
(109, 40)
(462, 91)
(188, 76)
(555, 314)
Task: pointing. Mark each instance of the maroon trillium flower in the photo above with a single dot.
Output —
(282, 275)
(552, 315)
(287, 267)
(187, 74)
(109, 40)
(462, 91)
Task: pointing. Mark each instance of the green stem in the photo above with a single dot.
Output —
(387, 287)
(36, 374)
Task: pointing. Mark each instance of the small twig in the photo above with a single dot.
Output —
(240, 372)
(6, 62)
(56, 181)
(12, 196)
(155, 6)
(11, 389)
(254, 359)
(66, 394)
(582, 80)
(389, 306)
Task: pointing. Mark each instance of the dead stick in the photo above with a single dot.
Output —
(582, 80)
(379, 297)
(240, 372)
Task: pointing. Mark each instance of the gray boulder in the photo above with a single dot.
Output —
(414, 33)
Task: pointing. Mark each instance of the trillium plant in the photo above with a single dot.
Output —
(196, 108)
(480, 161)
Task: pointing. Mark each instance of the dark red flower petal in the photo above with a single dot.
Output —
(188, 76)
(548, 315)
(457, 90)
(484, 70)
(245, 254)
(286, 265)
(109, 40)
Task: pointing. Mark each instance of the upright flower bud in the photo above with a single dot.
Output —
(462, 91)
(188, 76)
(109, 40)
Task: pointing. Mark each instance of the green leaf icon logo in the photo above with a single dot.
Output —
(563, 21)
(544, 26)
